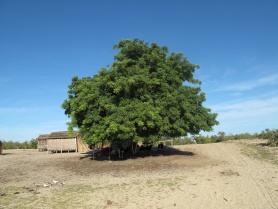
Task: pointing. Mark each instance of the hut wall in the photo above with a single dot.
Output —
(82, 147)
(60, 145)
(42, 145)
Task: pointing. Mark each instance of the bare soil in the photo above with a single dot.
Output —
(189, 176)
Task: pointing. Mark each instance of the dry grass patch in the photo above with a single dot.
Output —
(260, 151)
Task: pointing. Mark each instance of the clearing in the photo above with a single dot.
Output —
(222, 175)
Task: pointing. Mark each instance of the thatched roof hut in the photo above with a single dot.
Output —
(61, 141)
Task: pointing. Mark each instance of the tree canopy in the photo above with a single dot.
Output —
(146, 94)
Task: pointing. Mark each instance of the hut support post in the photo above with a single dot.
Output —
(47, 146)
(76, 144)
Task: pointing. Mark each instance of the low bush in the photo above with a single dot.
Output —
(20, 145)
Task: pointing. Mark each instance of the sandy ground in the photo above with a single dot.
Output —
(189, 176)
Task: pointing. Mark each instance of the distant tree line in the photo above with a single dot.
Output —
(270, 135)
(20, 145)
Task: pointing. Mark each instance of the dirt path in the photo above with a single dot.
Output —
(190, 176)
(235, 181)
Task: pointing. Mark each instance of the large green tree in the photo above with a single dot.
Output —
(146, 94)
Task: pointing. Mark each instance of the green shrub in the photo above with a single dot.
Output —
(20, 145)
(272, 137)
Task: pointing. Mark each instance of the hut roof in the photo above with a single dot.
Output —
(43, 136)
(58, 135)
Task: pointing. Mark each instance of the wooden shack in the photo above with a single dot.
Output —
(62, 142)
(42, 142)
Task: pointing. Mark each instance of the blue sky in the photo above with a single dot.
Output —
(43, 44)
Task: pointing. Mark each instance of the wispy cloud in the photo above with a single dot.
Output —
(251, 84)
(27, 132)
(248, 116)
(18, 133)
(250, 105)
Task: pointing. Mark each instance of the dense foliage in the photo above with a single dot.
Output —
(20, 145)
(142, 96)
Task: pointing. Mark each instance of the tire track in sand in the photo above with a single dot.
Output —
(231, 180)
(241, 180)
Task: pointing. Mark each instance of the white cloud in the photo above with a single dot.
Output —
(251, 84)
(247, 116)
(249, 104)
(27, 132)
(19, 133)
